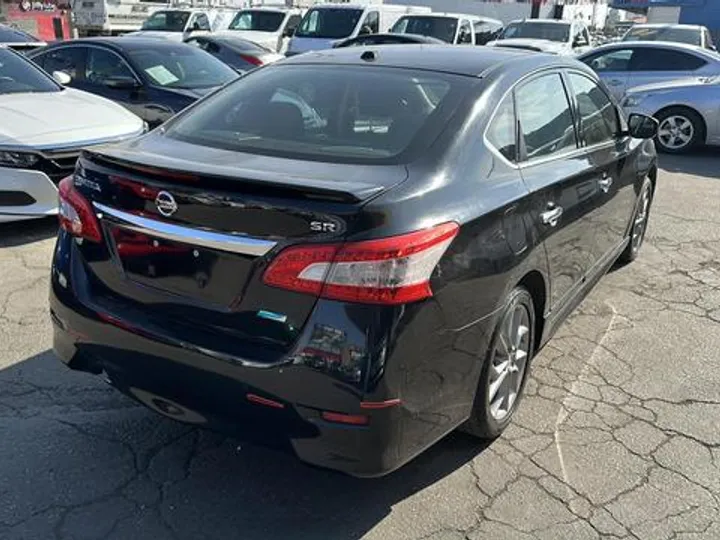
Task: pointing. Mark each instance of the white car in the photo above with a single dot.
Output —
(545, 35)
(43, 127)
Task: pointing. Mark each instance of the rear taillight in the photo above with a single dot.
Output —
(254, 60)
(393, 270)
(75, 212)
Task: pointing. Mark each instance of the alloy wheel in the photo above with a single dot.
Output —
(641, 218)
(676, 132)
(509, 361)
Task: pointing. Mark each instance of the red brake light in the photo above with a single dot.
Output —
(393, 270)
(254, 60)
(75, 213)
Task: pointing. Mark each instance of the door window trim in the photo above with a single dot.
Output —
(578, 151)
(93, 46)
(576, 108)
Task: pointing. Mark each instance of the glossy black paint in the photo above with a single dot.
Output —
(153, 103)
(195, 349)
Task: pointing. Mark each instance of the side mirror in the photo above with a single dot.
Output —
(641, 126)
(61, 77)
(121, 83)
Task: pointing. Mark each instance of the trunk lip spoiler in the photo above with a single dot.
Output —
(233, 243)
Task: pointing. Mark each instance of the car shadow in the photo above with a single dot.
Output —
(23, 232)
(90, 447)
(703, 162)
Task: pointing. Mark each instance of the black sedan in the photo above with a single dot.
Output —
(153, 78)
(365, 40)
(351, 253)
(240, 54)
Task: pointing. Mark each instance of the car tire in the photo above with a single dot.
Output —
(638, 228)
(680, 130)
(510, 352)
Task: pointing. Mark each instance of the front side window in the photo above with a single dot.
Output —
(103, 66)
(67, 59)
(545, 119)
(167, 21)
(656, 59)
(465, 34)
(180, 67)
(329, 113)
(201, 22)
(442, 28)
(329, 23)
(372, 23)
(17, 75)
(611, 61)
(598, 116)
(257, 20)
(501, 132)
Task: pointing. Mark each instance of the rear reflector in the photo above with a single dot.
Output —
(259, 400)
(350, 419)
(75, 212)
(393, 270)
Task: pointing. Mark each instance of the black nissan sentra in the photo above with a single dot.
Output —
(351, 253)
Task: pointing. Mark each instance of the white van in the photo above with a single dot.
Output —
(269, 27)
(325, 24)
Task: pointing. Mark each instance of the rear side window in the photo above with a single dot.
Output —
(655, 59)
(545, 119)
(71, 60)
(598, 116)
(501, 133)
(328, 113)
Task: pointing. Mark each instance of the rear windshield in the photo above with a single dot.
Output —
(537, 30)
(257, 21)
(329, 23)
(328, 113)
(442, 28)
(663, 33)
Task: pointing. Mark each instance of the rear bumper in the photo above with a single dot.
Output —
(26, 194)
(389, 354)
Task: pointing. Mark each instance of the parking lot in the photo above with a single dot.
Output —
(617, 438)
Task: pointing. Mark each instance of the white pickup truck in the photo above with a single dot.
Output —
(271, 27)
(181, 24)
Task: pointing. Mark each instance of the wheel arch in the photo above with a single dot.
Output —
(535, 283)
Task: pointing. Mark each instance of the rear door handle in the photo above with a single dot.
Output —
(552, 217)
(605, 182)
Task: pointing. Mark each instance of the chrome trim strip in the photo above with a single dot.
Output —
(71, 147)
(244, 245)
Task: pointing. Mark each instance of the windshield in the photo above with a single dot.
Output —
(257, 21)
(329, 113)
(442, 28)
(167, 21)
(329, 23)
(18, 75)
(664, 33)
(13, 35)
(537, 30)
(181, 67)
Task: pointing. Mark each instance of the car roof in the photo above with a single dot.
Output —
(341, 6)
(442, 14)
(127, 43)
(535, 21)
(651, 44)
(668, 25)
(470, 61)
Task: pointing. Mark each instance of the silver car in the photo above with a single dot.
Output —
(688, 112)
(625, 65)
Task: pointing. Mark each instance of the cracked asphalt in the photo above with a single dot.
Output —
(618, 436)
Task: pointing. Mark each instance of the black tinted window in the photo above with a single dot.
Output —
(545, 118)
(598, 116)
(443, 28)
(647, 59)
(103, 66)
(67, 59)
(257, 20)
(334, 113)
(333, 23)
(501, 133)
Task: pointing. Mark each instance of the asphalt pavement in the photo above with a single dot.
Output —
(618, 437)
